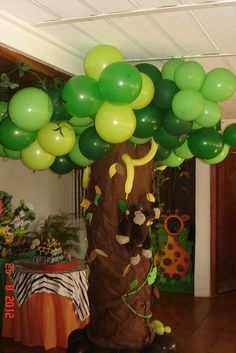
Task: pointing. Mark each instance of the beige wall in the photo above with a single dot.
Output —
(48, 192)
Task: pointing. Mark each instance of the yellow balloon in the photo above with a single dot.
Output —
(35, 158)
(114, 123)
(100, 57)
(146, 95)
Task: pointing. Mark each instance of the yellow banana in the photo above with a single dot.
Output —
(129, 173)
(131, 163)
(148, 157)
(86, 177)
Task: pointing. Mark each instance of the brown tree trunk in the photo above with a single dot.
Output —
(113, 323)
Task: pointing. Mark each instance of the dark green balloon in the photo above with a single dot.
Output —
(120, 83)
(205, 143)
(62, 165)
(55, 93)
(174, 125)
(15, 138)
(81, 96)
(162, 153)
(92, 146)
(165, 90)
(146, 121)
(229, 135)
(166, 140)
(152, 71)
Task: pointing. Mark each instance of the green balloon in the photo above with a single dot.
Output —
(30, 108)
(165, 90)
(187, 104)
(152, 71)
(138, 140)
(205, 143)
(62, 165)
(120, 83)
(166, 140)
(12, 154)
(174, 125)
(81, 96)
(195, 126)
(3, 109)
(220, 157)
(54, 91)
(210, 114)
(15, 138)
(77, 157)
(189, 75)
(92, 146)
(229, 135)
(169, 68)
(219, 85)
(146, 121)
(162, 153)
(2, 152)
(173, 160)
(183, 151)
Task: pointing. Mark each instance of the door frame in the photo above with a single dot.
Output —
(213, 211)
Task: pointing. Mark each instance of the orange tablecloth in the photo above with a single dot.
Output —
(43, 320)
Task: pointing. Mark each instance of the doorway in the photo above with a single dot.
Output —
(223, 225)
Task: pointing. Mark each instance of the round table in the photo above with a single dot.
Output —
(48, 306)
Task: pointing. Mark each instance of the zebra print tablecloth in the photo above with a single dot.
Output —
(72, 284)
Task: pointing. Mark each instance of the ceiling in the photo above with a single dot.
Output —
(143, 30)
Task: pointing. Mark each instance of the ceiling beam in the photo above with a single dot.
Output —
(138, 12)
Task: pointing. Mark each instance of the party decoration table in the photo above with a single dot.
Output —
(48, 306)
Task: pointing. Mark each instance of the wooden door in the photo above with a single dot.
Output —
(224, 225)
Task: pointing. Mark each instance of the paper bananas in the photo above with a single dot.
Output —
(131, 163)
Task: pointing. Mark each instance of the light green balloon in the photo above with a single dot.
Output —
(189, 75)
(76, 121)
(220, 157)
(169, 68)
(114, 123)
(77, 157)
(79, 129)
(30, 108)
(138, 140)
(210, 114)
(219, 84)
(183, 151)
(2, 153)
(35, 158)
(173, 160)
(187, 104)
(12, 154)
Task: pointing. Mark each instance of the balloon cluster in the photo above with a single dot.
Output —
(76, 123)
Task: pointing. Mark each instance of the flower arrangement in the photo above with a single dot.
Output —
(14, 224)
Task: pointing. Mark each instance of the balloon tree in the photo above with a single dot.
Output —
(120, 122)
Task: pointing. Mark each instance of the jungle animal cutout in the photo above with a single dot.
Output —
(134, 231)
(174, 260)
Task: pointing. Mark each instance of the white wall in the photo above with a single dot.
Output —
(48, 192)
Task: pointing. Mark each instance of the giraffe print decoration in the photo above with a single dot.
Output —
(173, 259)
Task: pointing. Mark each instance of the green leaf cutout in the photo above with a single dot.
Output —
(134, 283)
(152, 276)
(122, 205)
